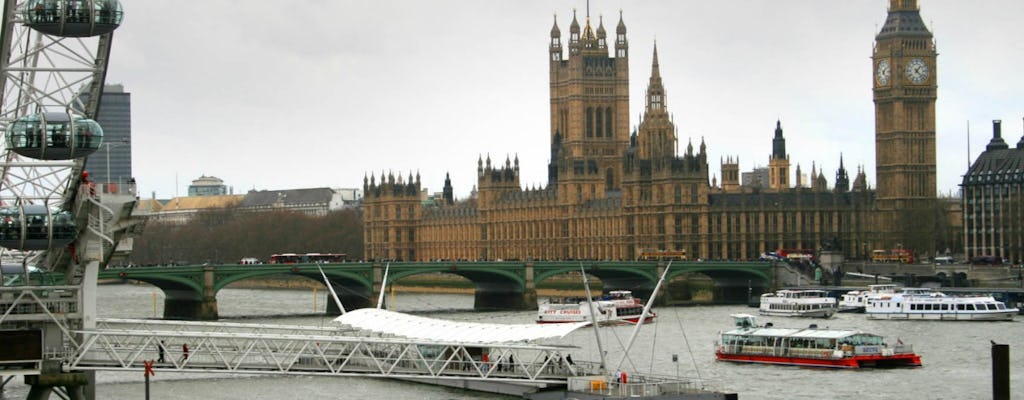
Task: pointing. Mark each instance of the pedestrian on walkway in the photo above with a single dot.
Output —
(184, 352)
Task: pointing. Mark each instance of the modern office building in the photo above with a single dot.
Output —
(112, 163)
(993, 200)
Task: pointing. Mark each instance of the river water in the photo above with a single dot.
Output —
(956, 355)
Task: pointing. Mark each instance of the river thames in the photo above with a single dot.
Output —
(956, 355)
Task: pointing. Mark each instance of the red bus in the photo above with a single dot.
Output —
(307, 258)
(796, 254)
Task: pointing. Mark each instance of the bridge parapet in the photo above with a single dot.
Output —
(191, 290)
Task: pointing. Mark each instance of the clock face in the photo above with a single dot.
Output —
(882, 75)
(917, 71)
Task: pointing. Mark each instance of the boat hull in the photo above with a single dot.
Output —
(852, 362)
(628, 320)
(820, 313)
(992, 316)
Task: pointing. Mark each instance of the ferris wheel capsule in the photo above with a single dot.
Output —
(36, 227)
(54, 136)
(73, 18)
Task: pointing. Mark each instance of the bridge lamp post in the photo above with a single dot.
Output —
(108, 145)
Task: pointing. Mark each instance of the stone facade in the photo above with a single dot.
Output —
(614, 194)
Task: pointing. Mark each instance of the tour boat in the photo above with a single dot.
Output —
(618, 306)
(856, 300)
(798, 303)
(923, 303)
(812, 347)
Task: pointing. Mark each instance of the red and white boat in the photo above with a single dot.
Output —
(812, 347)
(618, 306)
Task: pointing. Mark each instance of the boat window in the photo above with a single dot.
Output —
(960, 307)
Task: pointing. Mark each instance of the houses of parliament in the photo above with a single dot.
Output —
(614, 194)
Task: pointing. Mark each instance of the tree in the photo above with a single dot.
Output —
(224, 236)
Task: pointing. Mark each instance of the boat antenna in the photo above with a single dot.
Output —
(383, 284)
(331, 288)
(643, 316)
(593, 318)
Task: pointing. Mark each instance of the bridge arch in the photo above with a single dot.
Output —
(497, 285)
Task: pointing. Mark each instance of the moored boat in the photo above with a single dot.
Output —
(857, 300)
(798, 303)
(927, 304)
(617, 306)
(813, 347)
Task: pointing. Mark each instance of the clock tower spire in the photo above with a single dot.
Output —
(905, 85)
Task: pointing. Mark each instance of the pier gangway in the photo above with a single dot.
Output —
(245, 348)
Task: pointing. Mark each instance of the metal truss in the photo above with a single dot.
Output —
(119, 345)
(44, 73)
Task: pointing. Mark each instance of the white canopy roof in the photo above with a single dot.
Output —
(414, 327)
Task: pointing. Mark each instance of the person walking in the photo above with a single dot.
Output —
(184, 352)
(160, 352)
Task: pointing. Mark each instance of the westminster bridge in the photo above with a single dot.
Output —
(191, 291)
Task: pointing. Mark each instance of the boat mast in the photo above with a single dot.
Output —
(383, 285)
(593, 318)
(331, 288)
(643, 316)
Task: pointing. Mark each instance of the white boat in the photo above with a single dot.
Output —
(618, 306)
(857, 300)
(798, 303)
(923, 303)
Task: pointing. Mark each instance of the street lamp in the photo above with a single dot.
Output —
(108, 145)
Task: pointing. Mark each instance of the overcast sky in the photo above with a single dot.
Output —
(315, 93)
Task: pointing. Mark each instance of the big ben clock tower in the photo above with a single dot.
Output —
(904, 76)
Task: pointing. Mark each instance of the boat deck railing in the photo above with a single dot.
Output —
(637, 385)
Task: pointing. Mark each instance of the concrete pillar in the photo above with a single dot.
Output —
(185, 304)
(831, 259)
(378, 282)
(530, 291)
(51, 376)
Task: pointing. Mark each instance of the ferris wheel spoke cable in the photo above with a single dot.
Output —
(688, 348)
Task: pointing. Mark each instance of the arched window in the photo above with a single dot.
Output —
(600, 122)
(590, 122)
(608, 122)
(609, 179)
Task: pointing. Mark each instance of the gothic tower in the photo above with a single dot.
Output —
(731, 174)
(778, 164)
(589, 106)
(657, 140)
(905, 84)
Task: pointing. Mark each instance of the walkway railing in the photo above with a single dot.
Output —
(296, 350)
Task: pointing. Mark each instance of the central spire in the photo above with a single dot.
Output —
(655, 69)
(655, 89)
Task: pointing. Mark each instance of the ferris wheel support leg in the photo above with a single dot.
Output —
(90, 278)
(88, 294)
